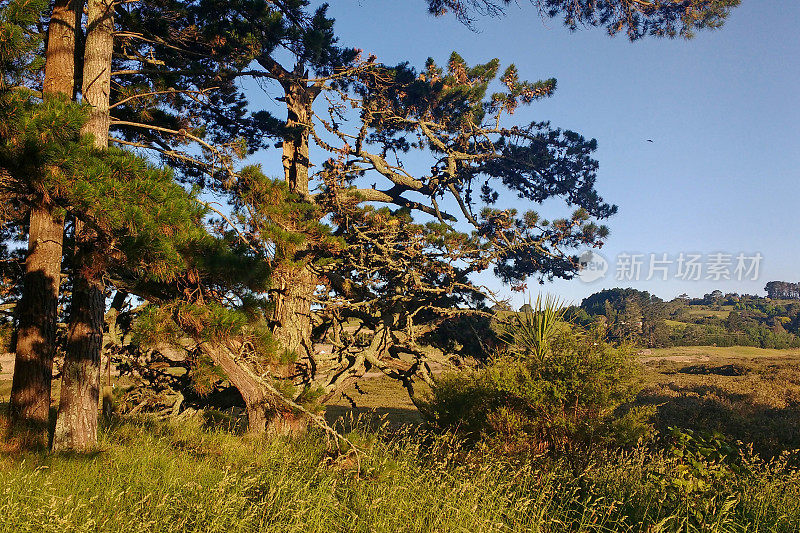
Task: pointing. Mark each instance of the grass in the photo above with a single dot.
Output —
(375, 398)
(749, 394)
(733, 352)
(183, 478)
(191, 478)
(5, 390)
(695, 312)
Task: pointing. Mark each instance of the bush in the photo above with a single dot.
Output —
(570, 397)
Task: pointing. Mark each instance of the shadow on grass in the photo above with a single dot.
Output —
(723, 370)
(769, 429)
(346, 419)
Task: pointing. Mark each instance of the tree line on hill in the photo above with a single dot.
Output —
(631, 315)
(783, 290)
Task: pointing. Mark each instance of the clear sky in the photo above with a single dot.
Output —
(723, 171)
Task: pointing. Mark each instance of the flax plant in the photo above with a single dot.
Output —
(528, 332)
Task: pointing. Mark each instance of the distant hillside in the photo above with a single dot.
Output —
(715, 319)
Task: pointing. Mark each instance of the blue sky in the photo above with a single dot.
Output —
(722, 109)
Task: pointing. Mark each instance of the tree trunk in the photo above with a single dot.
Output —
(76, 426)
(292, 292)
(265, 412)
(294, 284)
(38, 307)
(61, 74)
(299, 99)
(255, 398)
(38, 314)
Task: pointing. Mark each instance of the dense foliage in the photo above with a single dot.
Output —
(715, 319)
(562, 398)
(633, 18)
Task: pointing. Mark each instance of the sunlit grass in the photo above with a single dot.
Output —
(724, 351)
(703, 312)
(165, 478)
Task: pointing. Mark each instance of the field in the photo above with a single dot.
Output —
(193, 476)
(704, 312)
(184, 478)
(748, 394)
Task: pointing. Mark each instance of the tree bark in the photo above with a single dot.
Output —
(293, 282)
(38, 307)
(76, 426)
(266, 414)
(61, 73)
(293, 291)
(38, 316)
(299, 98)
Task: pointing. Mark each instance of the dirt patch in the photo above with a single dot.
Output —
(677, 359)
(6, 366)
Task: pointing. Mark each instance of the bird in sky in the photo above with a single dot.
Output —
(650, 140)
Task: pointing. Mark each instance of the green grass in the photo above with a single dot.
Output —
(694, 311)
(165, 478)
(186, 478)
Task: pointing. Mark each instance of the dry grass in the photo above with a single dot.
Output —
(377, 398)
(733, 352)
(182, 478)
(746, 393)
(161, 477)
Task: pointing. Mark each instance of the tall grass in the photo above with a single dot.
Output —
(182, 478)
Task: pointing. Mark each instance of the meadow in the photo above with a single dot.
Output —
(186, 477)
(201, 474)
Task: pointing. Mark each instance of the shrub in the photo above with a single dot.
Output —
(571, 396)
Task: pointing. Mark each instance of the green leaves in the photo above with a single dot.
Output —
(702, 467)
(528, 333)
(634, 18)
(274, 216)
(563, 400)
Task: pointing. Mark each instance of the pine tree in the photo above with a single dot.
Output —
(402, 279)
(399, 277)
(188, 66)
(131, 223)
(634, 18)
(37, 310)
(76, 424)
(402, 270)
